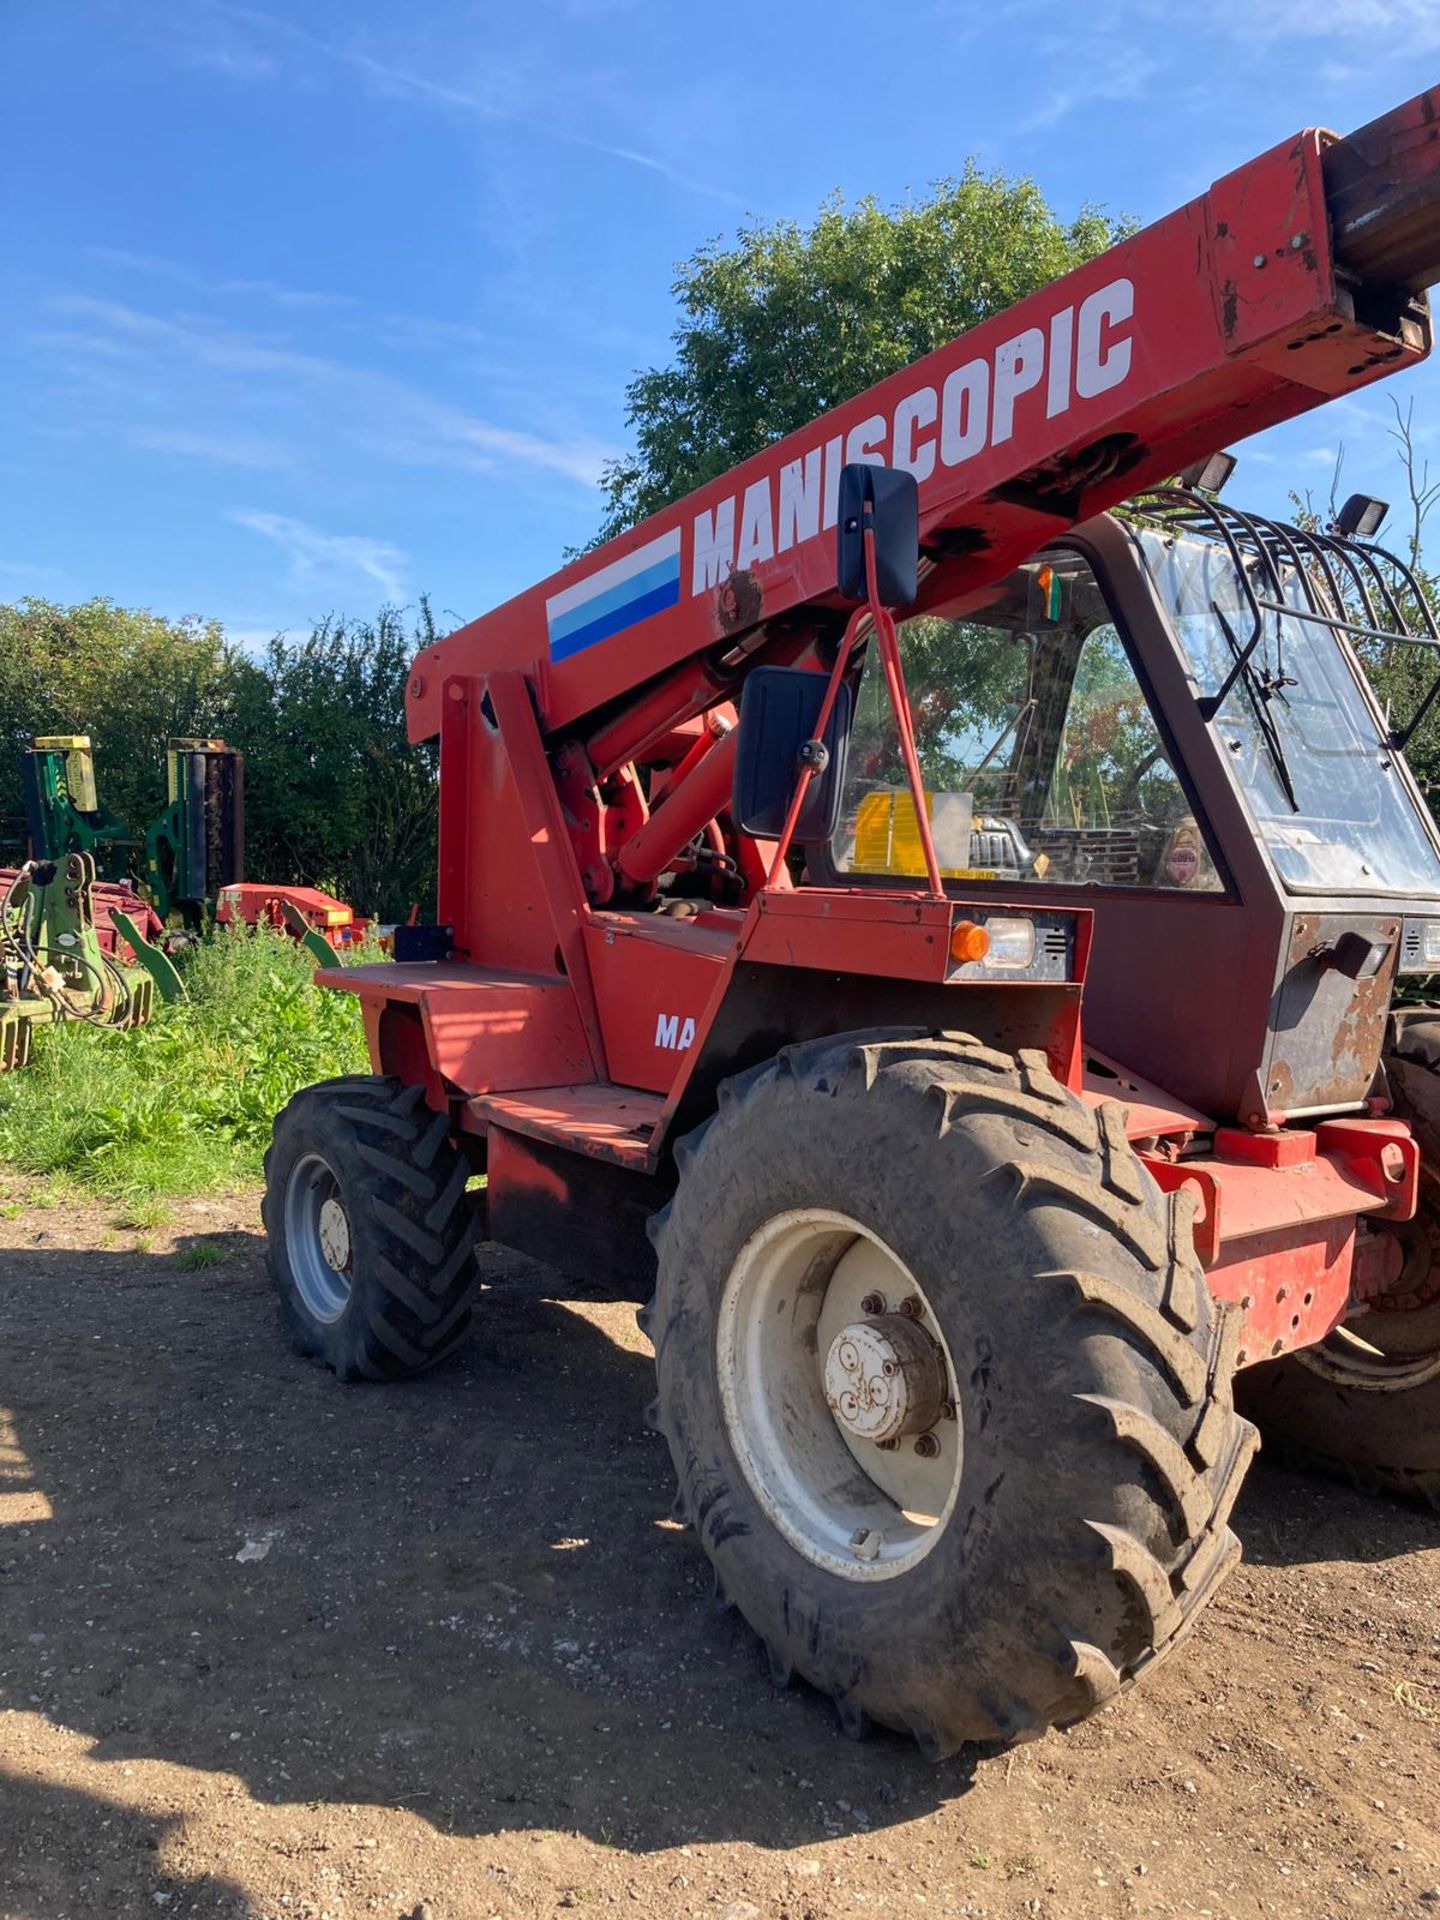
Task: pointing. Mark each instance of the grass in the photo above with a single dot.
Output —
(196, 1258)
(186, 1104)
(145, 1211)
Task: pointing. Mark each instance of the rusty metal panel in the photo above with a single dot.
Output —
(1383, 192)
(594, 1122)
(1327, 1029)
(1292, 1288)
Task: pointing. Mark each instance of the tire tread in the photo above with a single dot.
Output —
(414, 1232)
(1187, 1341)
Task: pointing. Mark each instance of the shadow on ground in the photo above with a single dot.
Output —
(65, 1851)
(462, 1596)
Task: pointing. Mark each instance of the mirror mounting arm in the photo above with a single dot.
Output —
(905, 722)
(809, 762)
(812, 763)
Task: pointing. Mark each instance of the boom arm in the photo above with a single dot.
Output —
(1293, 280)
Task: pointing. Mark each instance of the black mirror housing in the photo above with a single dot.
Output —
(779, 711)
(893, 499)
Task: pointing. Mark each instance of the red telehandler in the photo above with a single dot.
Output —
(764, 930)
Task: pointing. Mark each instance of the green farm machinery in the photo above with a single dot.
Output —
(195, 847)
(79, 939)
(88, 922)
(62, 808)
(54, 964)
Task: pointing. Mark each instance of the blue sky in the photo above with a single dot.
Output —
(314, 305)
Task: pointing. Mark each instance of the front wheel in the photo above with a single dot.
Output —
(947, 1397)
(371, 1235)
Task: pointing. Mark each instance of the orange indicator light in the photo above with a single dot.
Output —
(968, 942)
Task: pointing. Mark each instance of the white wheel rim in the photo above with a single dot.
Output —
(317, 1238)
(1345, 1359)
(798, 1287)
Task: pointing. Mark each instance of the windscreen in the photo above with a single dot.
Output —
(1040, 756)
(1296, 728)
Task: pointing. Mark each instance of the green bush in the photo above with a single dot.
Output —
(184, 1105)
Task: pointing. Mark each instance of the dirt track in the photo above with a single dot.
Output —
(270, 1646)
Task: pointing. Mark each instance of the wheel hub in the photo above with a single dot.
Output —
(819, 1380)
(885, 1378)
(335, 1235)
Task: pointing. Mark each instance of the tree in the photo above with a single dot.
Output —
(335, 794)
(789, 321)
(128, 678)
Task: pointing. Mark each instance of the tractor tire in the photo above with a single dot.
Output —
(881, 1224)
(371, 1234)
(1364, 1405)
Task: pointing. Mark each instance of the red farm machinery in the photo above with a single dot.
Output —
(967, 1036)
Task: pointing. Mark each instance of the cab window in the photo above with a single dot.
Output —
(1041, 759)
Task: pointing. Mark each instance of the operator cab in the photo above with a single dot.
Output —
(1165, 713)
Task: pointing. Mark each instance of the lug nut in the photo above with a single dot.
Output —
(927, 1446)
(913, 1307)
(947, 1410)
(873, 1303)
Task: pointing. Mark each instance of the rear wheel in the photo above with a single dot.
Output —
(370, 1232)
(947, 1397)
(1364, 1405)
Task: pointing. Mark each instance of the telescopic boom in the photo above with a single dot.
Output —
(1296, 279)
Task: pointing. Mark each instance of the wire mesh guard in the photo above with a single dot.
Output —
(1291, 572)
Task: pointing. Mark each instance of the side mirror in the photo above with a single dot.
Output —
(779, 709)
(893, 502)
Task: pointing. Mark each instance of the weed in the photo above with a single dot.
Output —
(59, 1191)
(204, 1253)
(186, 1104)
(144, 1212)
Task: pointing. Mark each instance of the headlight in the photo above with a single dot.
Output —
(1420, 947)
(1012, 941)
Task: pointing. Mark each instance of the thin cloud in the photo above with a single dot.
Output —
(228, 57)
(406, 332)
(1118, 75)
(314, 556)
(31, 570)
(178, 274)
(1413, 25)
(222, 449)
(401, 82)
(202, 381)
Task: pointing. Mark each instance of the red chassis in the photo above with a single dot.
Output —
(1281, 1217)
(575, 1033)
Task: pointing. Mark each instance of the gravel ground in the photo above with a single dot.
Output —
(270, 1646)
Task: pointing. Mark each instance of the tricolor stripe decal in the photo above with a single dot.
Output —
(618, 596)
